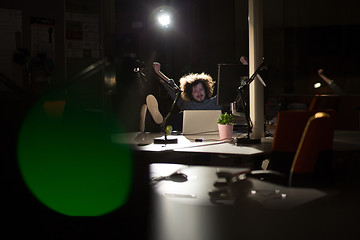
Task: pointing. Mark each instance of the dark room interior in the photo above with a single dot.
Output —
(92, 60)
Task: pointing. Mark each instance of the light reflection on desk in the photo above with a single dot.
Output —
(201, 180)
(184, 210)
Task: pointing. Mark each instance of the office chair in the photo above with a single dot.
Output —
(311, 166)
(313, 156)
(289, 129)
(321, 102)
(143, 111)
(312, 161)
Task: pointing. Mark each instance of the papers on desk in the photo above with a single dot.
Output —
(183, 145)
(209, 145)
(220, 147)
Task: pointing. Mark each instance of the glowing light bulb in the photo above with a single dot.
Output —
(317, 85)
(164, 19)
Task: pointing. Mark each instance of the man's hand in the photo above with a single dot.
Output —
(321, 72)
(156, 67)
(244, 60)
(326, 79)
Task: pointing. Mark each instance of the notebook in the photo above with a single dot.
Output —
(200, 121)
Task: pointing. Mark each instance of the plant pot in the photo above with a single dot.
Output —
(225, 131)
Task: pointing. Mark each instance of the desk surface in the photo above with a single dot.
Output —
(210, 151)
(210, 143)
(201, 180)
(344, 141)
(184, 211)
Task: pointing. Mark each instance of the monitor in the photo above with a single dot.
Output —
(229, 81)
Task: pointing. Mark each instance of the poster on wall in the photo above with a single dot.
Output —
(10, 40)
(43, 37)
(82, 35)
(42, 60)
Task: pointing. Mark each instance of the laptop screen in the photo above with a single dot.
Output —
(200, 121)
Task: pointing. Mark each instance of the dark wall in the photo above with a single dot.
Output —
(297, 34)
(318, 34)
(299, 38)
(41, 9)
(332, 48)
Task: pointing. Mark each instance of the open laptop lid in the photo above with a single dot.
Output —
(200, 121)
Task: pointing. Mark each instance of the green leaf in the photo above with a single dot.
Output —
(168, 129)
(225, 119)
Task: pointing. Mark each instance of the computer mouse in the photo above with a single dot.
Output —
(178, 177)
(175, 177)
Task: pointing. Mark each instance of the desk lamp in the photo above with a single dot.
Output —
(241, 98)
(165, 139)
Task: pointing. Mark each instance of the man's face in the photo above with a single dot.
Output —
(198, 92)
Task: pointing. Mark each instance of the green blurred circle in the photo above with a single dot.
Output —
(70, 164)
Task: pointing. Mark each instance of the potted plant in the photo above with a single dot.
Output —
(225, 125)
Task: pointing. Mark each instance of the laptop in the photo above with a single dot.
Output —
(200, 121)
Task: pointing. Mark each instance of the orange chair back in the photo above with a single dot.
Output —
(317, 137)
(289, 128)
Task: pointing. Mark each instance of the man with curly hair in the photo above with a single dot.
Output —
(197, 90)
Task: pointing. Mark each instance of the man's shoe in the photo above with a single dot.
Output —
(153, 108)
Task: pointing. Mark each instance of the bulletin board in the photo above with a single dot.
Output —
(82, 35)
(11, 38)
(43, 37)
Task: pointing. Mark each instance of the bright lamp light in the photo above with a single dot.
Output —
(164, 18)
(317, 85)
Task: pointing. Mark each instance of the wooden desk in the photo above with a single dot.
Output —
(201, 180)
(211, 151)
